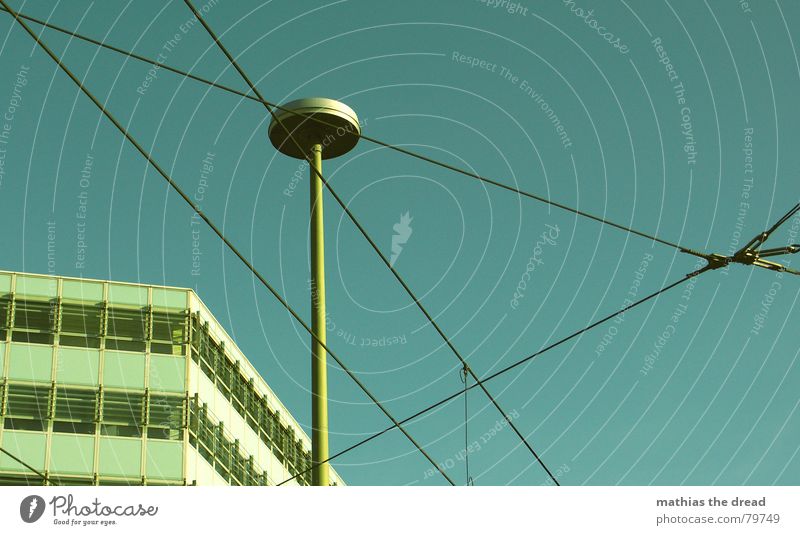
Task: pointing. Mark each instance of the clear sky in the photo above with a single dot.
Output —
(678, 118)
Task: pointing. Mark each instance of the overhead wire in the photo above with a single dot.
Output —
(366, 236)
(464, 376)
(260, 99)
(219, 233)
(369, 139)
(390, 146)
(507, 368)
(45, 479)
(373, 140)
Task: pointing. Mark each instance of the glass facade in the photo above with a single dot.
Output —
(107, 383)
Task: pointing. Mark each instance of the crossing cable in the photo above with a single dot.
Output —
(363, 136)
(221, 236)
(363, 232)
(254, 98)
(45, 479)
(18, 15)
(506, 369)
(752, 254)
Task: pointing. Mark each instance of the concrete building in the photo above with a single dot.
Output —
(105, 383)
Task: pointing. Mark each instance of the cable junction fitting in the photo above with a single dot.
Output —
(753, 255)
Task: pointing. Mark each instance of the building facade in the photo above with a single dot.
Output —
(105, 383)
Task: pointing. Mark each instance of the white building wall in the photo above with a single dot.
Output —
(199, 472)
(221, 410)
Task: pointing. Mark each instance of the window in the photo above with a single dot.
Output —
(276, 433)
(196, 334)
(27, 402)
(79, 428)
(300, 466)
(279, 444)
(75, 411)
(20, 481)
(206, 436)
(165, 417)
(253, 407)
(127, 329)
(122, 414)
(291, 450)
(5, 315)
(103, 482)
(265, 422)
(305, 465)
(222, 455)
(81, 325)
(169, 333)
(27, 407)
(34, 321)
(193, 415)
(249, 473)
(238, 464)
(239, 389)
(224, 375)
(70, 481)
(21, 424)
(207, 352)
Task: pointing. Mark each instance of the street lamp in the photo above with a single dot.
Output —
(316, 129)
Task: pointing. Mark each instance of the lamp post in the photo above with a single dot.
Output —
(316, 129)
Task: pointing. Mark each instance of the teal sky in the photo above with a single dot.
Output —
(702, 153)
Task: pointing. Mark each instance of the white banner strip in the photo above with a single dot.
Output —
(370, 510)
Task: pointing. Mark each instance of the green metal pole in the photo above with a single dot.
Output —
(319, 372)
